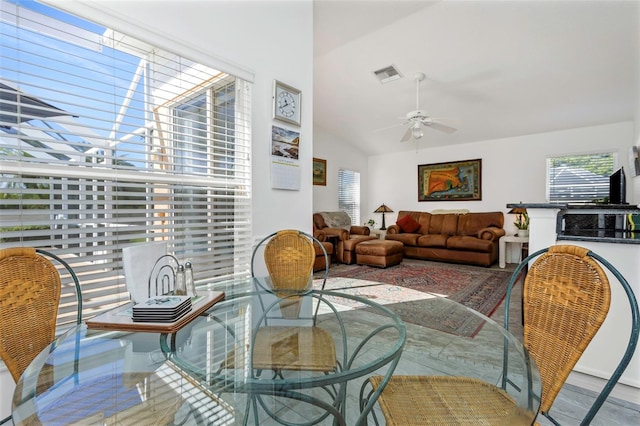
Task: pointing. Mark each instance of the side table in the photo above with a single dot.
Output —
(333, 239)
(380, 233)
(504, 255)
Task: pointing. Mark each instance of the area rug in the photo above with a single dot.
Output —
(403, 288)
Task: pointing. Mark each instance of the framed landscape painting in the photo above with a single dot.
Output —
(453, 181)
(319, 171)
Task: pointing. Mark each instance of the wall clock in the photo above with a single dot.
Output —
(286, 103)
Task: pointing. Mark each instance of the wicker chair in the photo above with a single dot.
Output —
(566, 298)
(289, 256)
(30, 289)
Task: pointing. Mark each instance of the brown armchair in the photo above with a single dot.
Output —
(339, 224)
(320, 261)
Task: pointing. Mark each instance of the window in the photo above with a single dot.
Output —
(349, 194)
(579, 178)
(106, 141)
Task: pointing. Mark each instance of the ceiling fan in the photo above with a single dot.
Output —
(419, 118)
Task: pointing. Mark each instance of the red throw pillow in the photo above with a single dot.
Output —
(407, 224)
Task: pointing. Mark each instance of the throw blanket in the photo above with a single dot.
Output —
(337, 220)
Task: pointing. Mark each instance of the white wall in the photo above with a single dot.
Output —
(263, 40)
(339, 155)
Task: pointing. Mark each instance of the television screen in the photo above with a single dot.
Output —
(618, 187)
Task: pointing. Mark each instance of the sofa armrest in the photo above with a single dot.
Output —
(342, 234)
(393, 229)
(491, 233)
(360, 230)
(320, 235)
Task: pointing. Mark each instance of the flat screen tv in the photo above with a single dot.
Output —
(618, 187)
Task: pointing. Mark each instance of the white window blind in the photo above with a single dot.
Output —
(349, 194)
(579, 178)
(107, 141)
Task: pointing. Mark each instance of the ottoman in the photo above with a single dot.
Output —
(380, 253)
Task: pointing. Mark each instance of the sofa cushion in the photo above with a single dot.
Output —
(423, 218)
(471, 224)
(445, 224)
(407, 224)
(469, 244)
(433, 240)
(404, 238)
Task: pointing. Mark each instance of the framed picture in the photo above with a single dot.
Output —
(286, 103)
(453, 181)
(319, 172)
(285, 143)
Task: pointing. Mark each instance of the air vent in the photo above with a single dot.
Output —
(387, 74)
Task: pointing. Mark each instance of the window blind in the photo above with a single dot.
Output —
(349, 194)
(107, 141)
(579, 178)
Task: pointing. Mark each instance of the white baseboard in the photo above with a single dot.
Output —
(621, 391)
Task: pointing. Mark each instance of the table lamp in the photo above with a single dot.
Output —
(383, 209)
(520, 213)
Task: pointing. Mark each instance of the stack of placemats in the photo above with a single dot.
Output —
(166, 308)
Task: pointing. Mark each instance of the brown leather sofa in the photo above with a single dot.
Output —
(348, 236)
(462, 238)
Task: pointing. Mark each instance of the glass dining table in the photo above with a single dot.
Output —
(204, 373)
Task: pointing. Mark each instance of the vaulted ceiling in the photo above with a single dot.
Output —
(494, 69)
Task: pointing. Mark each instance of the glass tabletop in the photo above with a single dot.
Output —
(210, 371)
(294, 368)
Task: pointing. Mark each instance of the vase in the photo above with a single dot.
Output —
(523, 232)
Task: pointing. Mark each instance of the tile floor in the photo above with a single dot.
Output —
(573, 401)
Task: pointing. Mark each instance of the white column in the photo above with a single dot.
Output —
(604, 351)
(7, 386)
(542, 228)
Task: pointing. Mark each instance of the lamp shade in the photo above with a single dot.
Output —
(517, 210)
(383, 209)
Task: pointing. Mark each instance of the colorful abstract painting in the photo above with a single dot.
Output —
(452, 181)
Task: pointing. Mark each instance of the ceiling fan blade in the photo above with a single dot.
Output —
(391, 127)
(407, 135)
(417, 118)
(441, 127)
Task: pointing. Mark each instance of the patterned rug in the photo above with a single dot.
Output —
(404, 287)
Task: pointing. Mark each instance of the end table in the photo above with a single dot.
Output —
(333, 239)
(380, 233)
(504, 256)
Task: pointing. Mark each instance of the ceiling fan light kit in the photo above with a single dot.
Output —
(416, 131)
